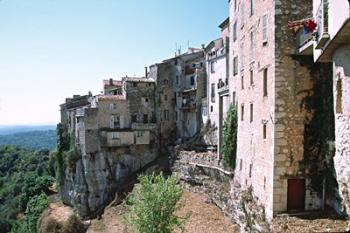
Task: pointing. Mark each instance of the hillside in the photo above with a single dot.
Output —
(35, 140)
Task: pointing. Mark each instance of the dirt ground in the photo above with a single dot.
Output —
(309, 224)
(205, 218)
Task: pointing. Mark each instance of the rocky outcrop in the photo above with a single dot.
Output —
(95, 179)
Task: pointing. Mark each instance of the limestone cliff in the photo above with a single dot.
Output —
(92, 182)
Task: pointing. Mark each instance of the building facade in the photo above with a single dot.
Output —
(218, 96)
(270, 84)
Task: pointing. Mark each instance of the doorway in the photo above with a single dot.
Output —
(296, 195)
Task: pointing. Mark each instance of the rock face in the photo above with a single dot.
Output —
(341, 87)
(94, 180)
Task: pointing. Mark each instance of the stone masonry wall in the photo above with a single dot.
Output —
(254, 162)
(293, 84)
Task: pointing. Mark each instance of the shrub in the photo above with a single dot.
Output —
(229, 148)
(74, 225)
(153, 203)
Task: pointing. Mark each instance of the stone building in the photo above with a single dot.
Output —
(331, 46)
(114, 136)
(218, 96)
(189, 80)
(276, 91)
(164, 75)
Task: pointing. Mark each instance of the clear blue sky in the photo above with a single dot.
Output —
(52, 49)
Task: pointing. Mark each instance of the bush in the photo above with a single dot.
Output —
(229, 148)
(153, 203)
(74, 225)
(35, 207)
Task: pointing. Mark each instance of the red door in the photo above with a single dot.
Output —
(296, 194)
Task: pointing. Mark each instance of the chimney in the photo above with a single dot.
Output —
(111, 81)
(146, 72)
(203, 46)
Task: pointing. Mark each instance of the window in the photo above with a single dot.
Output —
(251, 7)
(177, 79)
(139, 134)
(234, 29)
(242, 82)
(176, 115)
(212, 67)
(264, 28)
(264, 182)
(176, 62)
(264, 131)
(115, 122)
(166, 115)
(213, 92)
(233, 97)
(146, 100)
(192, 80)
(134, 118)
(241, 165)
(165, 97)
(145, 118)
(241, 55)
(211, 109)
(251, 77)
(265, 82)
(235, 5)
(165, 82)
(242, 14)
(134, 84)
(193, 65)
(115, 135)
(113, 106)
(205, 110)
(250, 170)
(251, 47)
(339, 89)
(251, 112)
(242, 112)
(235, 65)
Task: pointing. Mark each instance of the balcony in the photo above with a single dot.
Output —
(304, 42)
(322, 35)
(223, 86)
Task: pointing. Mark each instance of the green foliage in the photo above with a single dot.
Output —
(24, 175)
(153, 204)
(35, 207)
(35, 140)
(229, 147)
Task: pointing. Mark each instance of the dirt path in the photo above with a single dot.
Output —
(205, 218)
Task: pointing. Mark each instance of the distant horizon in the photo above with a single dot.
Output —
(30, 124)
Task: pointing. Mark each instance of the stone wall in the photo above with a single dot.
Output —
(255, 156)
(292, 83)
(341, 89)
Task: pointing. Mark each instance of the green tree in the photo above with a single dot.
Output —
(35, 207)
(153, 203)
(229, 148)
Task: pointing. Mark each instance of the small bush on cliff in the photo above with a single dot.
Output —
(229, 147)
(153, 203)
